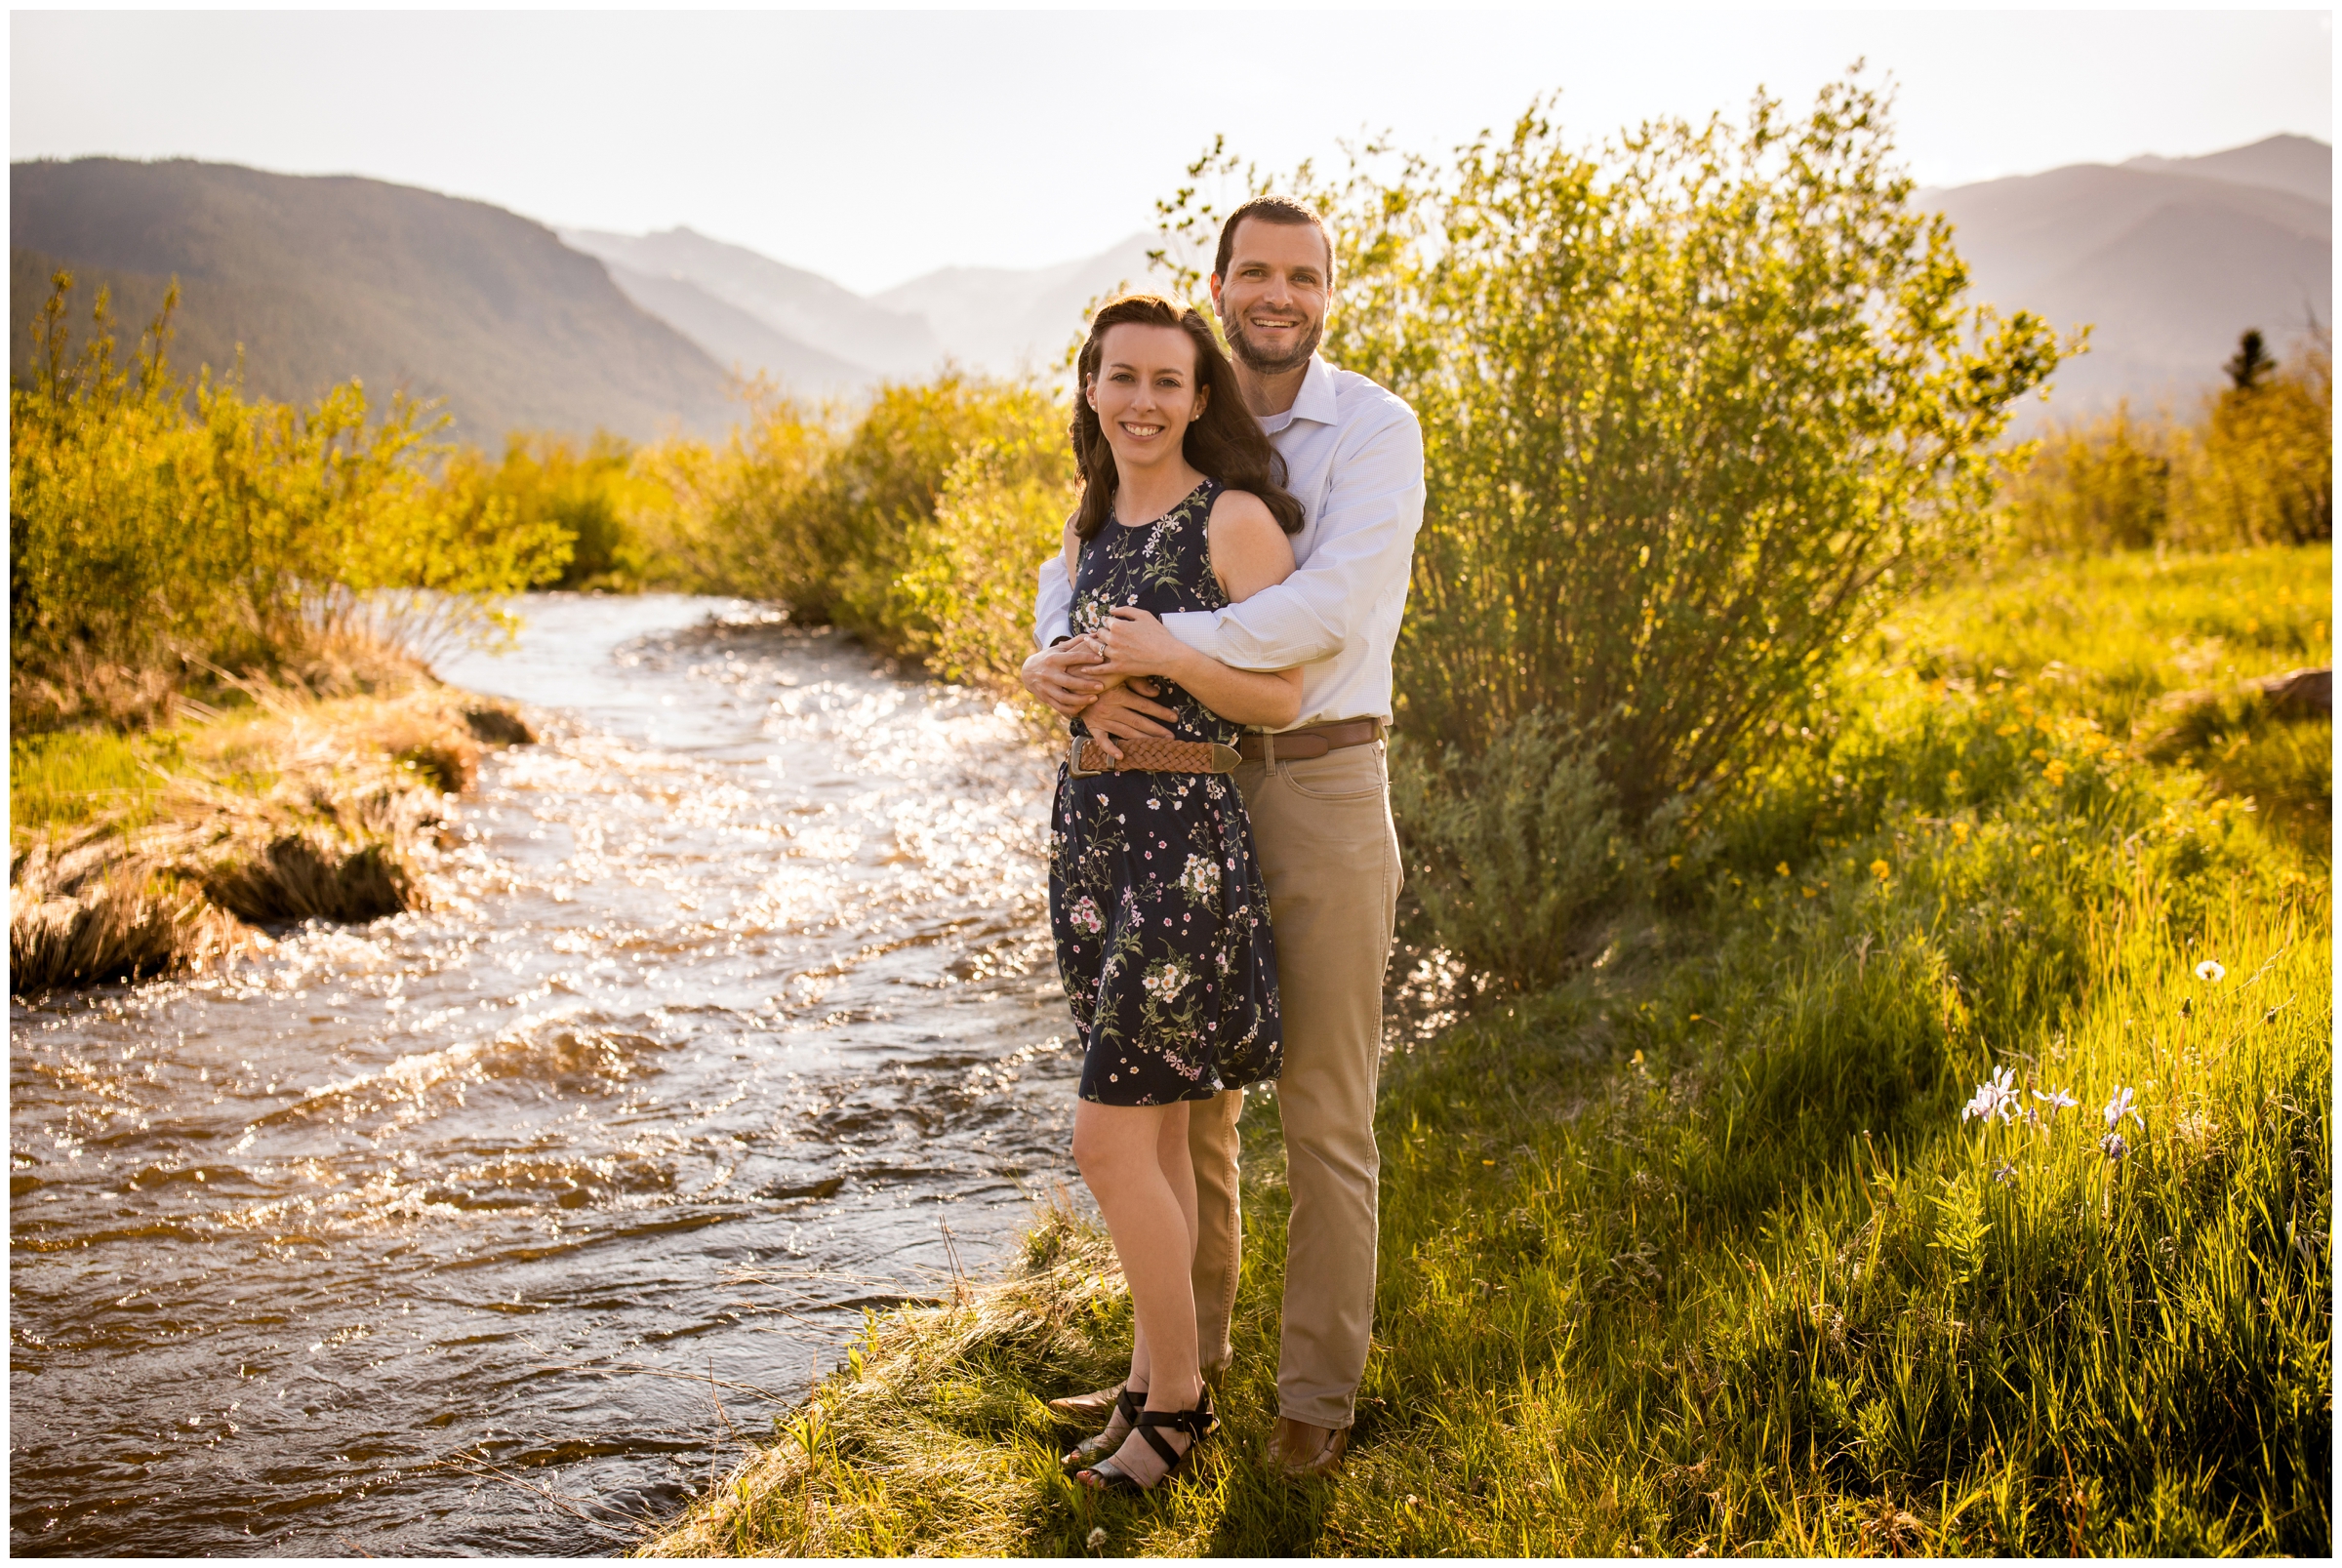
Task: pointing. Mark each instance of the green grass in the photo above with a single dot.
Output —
(2111, 633)
(70, 777)
(1695, 1254)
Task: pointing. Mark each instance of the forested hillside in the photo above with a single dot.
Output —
(323, 279)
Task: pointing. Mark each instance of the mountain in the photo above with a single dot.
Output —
(802, 306)
(2301, 165)
(811, 336)
(2169, 260)
(1006, 320)
(320, 279)
(733, 338)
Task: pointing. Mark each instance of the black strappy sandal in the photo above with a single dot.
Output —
(1128, 1404)
(1198, 1424)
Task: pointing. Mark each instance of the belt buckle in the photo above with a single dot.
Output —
(1074, 769)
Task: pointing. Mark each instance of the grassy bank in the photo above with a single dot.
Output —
(166, 848)
(1695, 1252)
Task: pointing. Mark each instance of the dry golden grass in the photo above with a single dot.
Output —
(131, 858)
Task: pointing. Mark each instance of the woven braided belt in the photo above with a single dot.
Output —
(1147, 755)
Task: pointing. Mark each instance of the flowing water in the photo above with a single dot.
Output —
(486, 1229)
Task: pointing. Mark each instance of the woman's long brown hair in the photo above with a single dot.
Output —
(1224, 442)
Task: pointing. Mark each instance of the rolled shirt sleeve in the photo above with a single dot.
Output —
(1052, 604)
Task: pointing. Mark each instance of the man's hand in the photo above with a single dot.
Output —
(1061, 677)
(1124, 713)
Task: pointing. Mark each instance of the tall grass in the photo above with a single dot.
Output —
(1693, 1253)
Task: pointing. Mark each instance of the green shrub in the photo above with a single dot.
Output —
(1001, 513)
(1511, 850)
(842, 525)
(1696, 411)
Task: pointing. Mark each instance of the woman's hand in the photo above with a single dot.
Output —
(1091, 663)
(1133, 642)
(1063, 676)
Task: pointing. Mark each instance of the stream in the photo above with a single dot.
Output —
(497, 1228)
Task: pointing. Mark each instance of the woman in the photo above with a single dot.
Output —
(1154, 895)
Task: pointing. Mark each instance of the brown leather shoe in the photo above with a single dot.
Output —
(1296, 1448)
(1096, 1405)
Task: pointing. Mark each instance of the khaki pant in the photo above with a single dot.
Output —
(1330, 858)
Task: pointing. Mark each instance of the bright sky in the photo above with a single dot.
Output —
(876, 145)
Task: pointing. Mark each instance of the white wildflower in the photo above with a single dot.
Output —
(1997, 1098)
(2211, 971)
(2062, 1099)
(2119, 1107)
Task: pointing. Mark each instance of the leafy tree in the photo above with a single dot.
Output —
(1698, 409)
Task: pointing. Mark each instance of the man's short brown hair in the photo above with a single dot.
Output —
(1282, 209)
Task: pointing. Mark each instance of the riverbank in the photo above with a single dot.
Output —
(1696, 1253)
(166, 849)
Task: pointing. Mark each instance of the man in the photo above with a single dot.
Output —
(1319, 793)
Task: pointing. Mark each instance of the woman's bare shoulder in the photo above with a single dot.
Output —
(1242, 512)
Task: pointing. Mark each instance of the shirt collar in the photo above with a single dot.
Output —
(1314, 402)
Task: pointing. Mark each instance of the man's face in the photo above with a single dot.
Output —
(1271, 302)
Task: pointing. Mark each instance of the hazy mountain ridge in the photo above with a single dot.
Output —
(1008, 321)
(2301, 165)
(802, 306)
(322, 278)
(733, 338)
(2168, 259)
(522, 327)
(999, 321)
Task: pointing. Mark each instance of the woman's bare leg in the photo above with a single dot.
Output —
(1171, 1154)
(1150, 1210)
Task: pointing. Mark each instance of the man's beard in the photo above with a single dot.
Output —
(1260, 364)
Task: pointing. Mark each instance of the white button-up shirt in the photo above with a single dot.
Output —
(1353, 459)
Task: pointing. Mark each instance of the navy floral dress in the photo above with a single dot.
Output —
(1155, 893)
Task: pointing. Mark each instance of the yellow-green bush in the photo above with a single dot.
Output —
(970, 582)
(158, 528)
(915, 526)
(2261, 468)
(2095, 484)
(587, 490)
(2256, 467)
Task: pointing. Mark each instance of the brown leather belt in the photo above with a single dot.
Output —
(1313, 741)
(1147, 755)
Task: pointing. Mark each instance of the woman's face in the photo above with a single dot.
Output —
(1144, 391)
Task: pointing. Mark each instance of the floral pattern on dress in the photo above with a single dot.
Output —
(1154, 892)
